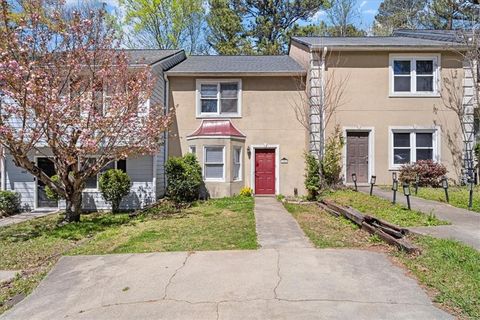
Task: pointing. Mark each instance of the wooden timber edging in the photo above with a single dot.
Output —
(388, 232)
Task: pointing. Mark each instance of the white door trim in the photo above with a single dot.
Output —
(371, 150)
(277, 164)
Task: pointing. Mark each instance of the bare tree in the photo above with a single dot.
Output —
(320, 94)
(342, 15)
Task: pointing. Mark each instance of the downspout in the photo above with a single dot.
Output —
(165, 134)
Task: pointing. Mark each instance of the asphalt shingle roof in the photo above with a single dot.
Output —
(148, 56)
(440, 35)
(237, 64)
(394, 41)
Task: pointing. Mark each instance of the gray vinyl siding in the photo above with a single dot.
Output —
(139, 169)
(19, 180)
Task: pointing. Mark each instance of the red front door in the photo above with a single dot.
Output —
(264, 171)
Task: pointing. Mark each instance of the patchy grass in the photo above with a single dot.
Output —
(458, 196)
(34, 246)
(327, 231)
(451, 269)
(220, 224)
(383, 209)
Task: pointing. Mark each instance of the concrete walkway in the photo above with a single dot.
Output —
(465, 225)
(276, 228)
(25, 216)
(258, 284)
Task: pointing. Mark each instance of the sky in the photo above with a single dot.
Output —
(366, 9)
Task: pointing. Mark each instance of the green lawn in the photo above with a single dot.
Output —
(34, 246)
(458, 196)
(383, 209)
(451, 270)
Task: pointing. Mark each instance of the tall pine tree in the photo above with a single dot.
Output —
(258, 26)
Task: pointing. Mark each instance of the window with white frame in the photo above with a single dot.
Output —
(414, 75)
(192, 149)
(92, 182)
(411, 146)
(214, 163)
(218, 98)
(237, 163)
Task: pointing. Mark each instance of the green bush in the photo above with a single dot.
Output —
(246, 192)
(51, 194)
(312, 176)
(332, 159)
(114, 185)
(9, 203)
(184, 178)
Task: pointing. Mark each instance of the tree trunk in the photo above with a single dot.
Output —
(73, 207)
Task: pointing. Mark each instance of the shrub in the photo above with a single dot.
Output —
(9, 203)
(114, 184)
(51, 194)
(331, 163)
(184, 178)
(430, 173)
(246, 192)
(312, 176)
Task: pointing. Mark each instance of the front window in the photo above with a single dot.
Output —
(218, 98)
(92, 182)
(214, 163)
(411, 146)
(237, 163)
(414, 75)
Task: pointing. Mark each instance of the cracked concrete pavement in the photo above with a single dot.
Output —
(288, 283)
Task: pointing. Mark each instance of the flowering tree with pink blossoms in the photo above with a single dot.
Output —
(68, 92)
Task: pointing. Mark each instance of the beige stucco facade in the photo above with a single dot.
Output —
(368, 105)
(267, 120)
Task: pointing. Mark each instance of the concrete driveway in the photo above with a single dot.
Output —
(290, 283)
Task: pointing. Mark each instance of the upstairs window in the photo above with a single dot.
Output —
(218, 98)
(414, 75)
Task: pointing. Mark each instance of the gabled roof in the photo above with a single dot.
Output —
(237, 65)
(216, 128)
(349, 43)
(148, 56)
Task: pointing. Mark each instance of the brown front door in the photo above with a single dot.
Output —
(357, 156)
(264, 171)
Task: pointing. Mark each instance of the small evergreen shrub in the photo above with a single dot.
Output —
(51, 194)
(430, 173)
(9, 203)
(246, 192)
(114, 184)
(332, 159)
(312, 176)
(184, 178)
